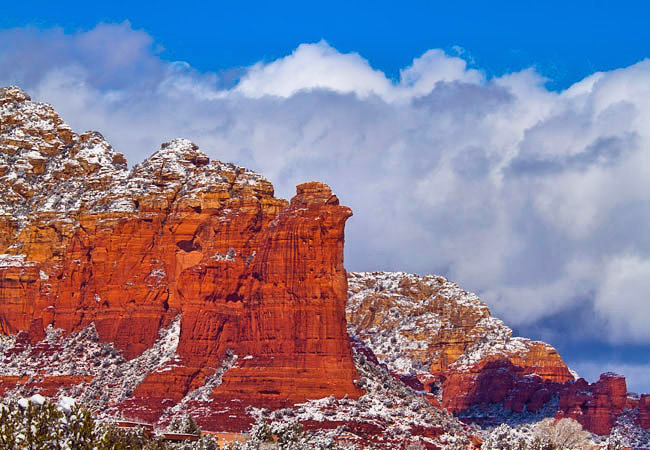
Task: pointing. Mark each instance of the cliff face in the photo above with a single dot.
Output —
(436, 337)
(430, 327)
(87, 242)
(597, 405)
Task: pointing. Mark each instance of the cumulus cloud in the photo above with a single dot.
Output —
(113, 56)
(319, 66)
(536, 200)
(624, 289)
(314, 66)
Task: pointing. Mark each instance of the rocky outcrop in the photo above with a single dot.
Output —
(644, 411)
(282, 316)
(597, 405)
(498, 382)
(429, 327)
(87, 242)
(438, 338)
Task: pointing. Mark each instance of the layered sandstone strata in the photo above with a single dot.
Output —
(439, 338)
(596, 405)
(88, 242)
(429, 327)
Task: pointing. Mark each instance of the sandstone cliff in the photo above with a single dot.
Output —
(437, 337)
(596, 406)
(87, 242)
(431, 328)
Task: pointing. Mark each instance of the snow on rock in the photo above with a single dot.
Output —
(37, 398)
(390, 414)
(193, 400)
(46, 168)
(14, 261)
(627, 432)
(92, 373)
(431, 333)
(428, 324)
(492, 338)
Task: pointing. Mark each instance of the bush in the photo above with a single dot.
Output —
(549, 434)
(38, 424)
(561, 434)
(504, 438)
(185, 424)
(282, 436)
(114, 438)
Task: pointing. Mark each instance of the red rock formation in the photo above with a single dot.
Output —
(497, 381)
(282, 315)
(644, 411)
(594, 405)
(85, 241)
(430, 327)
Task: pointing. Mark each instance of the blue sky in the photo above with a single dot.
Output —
(503, 145)
(565, 41)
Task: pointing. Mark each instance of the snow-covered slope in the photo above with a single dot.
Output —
(424, 325)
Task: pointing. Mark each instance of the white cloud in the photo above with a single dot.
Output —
(319, 66)
(314, 66)
(435, 66)
(527, 196)
(623, 297)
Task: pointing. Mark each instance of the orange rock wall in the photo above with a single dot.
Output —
(279, 308)
(464, 352)
(275, 291)
(506, 378)
(84, 240)
(597, 405)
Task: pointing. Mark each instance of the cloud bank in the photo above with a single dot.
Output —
(537, 200)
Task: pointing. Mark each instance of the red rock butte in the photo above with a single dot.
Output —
(84, 240)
